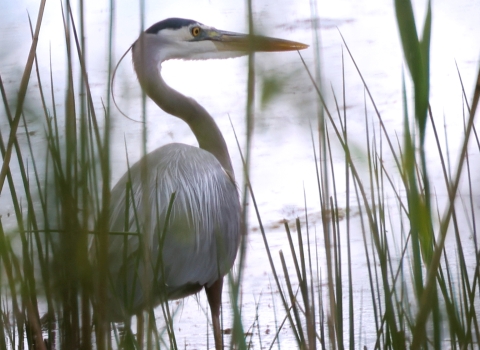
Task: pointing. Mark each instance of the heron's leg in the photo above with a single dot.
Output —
(140, 329)
(214, 296)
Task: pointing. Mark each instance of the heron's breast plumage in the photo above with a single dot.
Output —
(201, 237)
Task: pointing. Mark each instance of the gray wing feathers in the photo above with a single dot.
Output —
(203, 233)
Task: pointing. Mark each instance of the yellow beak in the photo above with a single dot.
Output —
(243, 42)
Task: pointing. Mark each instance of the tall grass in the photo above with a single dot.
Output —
(50, 281)
(417, 300)
(421, 294)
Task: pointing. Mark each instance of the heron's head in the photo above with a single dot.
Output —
(177, 38)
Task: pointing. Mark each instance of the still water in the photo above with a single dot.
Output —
(282, 169)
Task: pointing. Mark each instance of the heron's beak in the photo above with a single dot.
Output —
(228, 41)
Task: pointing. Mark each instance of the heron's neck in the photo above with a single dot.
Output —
(171, 101)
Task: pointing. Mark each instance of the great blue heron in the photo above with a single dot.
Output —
(198, 244)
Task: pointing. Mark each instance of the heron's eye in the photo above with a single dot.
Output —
(196, 31)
